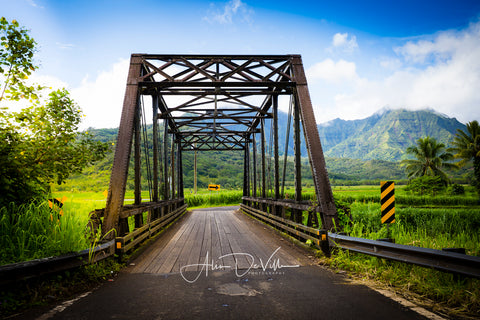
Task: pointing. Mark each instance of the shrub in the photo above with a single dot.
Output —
(457, 189)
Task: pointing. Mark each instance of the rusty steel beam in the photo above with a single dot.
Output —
(323, 189)
(118, 179)
(155, 148)
(298, 159)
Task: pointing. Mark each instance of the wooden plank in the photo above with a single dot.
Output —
(196, 244)
(216, 244)
(268, 243)
(240, 259)
(157, 249)
(172, 259)
(225, 248)
(206, 249)
(250, 242)
(164, 260)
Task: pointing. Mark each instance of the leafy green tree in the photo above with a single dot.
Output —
(41, 144)
(431, 159)
(467, 148)
(17, 49)
(426, 185)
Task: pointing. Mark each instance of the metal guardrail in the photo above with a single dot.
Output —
(452, 262)
(39, 267)
(317, 236)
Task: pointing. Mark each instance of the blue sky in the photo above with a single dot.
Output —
(360, 56)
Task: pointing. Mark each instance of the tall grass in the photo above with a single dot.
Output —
(401, 198)
(233, 197)
(424, 227)
(35, 231)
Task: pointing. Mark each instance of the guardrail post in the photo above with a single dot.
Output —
(324, 244)
(119, 247)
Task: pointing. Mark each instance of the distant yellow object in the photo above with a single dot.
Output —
(214, 187)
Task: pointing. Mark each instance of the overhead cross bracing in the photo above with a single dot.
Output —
(215, 102)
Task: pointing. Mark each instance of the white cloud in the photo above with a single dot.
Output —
(343, 42)
(49, 82)
(390, 63)
(333, 72)
(226, 14)
(101, 99)
(65, 45)
(442, 73)
(34, 4)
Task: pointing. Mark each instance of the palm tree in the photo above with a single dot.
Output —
(467, 147)
(430, 159)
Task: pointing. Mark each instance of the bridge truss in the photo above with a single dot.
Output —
(215, 102)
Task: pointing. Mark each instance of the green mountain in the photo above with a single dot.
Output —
(385, 135)
(356, 151)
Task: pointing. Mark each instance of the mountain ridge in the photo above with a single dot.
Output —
(386, 135)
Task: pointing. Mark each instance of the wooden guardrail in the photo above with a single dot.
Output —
(132, 239)
(317, 236)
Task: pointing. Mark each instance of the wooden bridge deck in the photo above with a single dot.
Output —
(216, 232)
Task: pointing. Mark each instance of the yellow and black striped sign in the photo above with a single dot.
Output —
(387, 200)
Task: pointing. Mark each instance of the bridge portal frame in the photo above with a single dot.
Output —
(226, 99)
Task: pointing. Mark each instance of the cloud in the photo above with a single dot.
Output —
(226, 14)
(65, 45)
(49, 82)
(333, 72)
(390, 63)
(34, 4)
(101, 99)
(343, 42)
(441, 72)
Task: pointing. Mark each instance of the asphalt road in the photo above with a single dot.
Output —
(308, 292)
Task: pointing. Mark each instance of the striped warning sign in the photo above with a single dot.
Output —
(387, 200)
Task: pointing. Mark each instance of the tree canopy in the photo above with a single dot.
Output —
(41, 143)
(467, 148)
(17, 50)
(430, 159)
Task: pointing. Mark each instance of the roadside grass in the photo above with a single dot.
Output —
(434, 228)
(36, 231)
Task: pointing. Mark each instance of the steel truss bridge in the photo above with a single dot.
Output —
(215, 102)
(218, 102)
